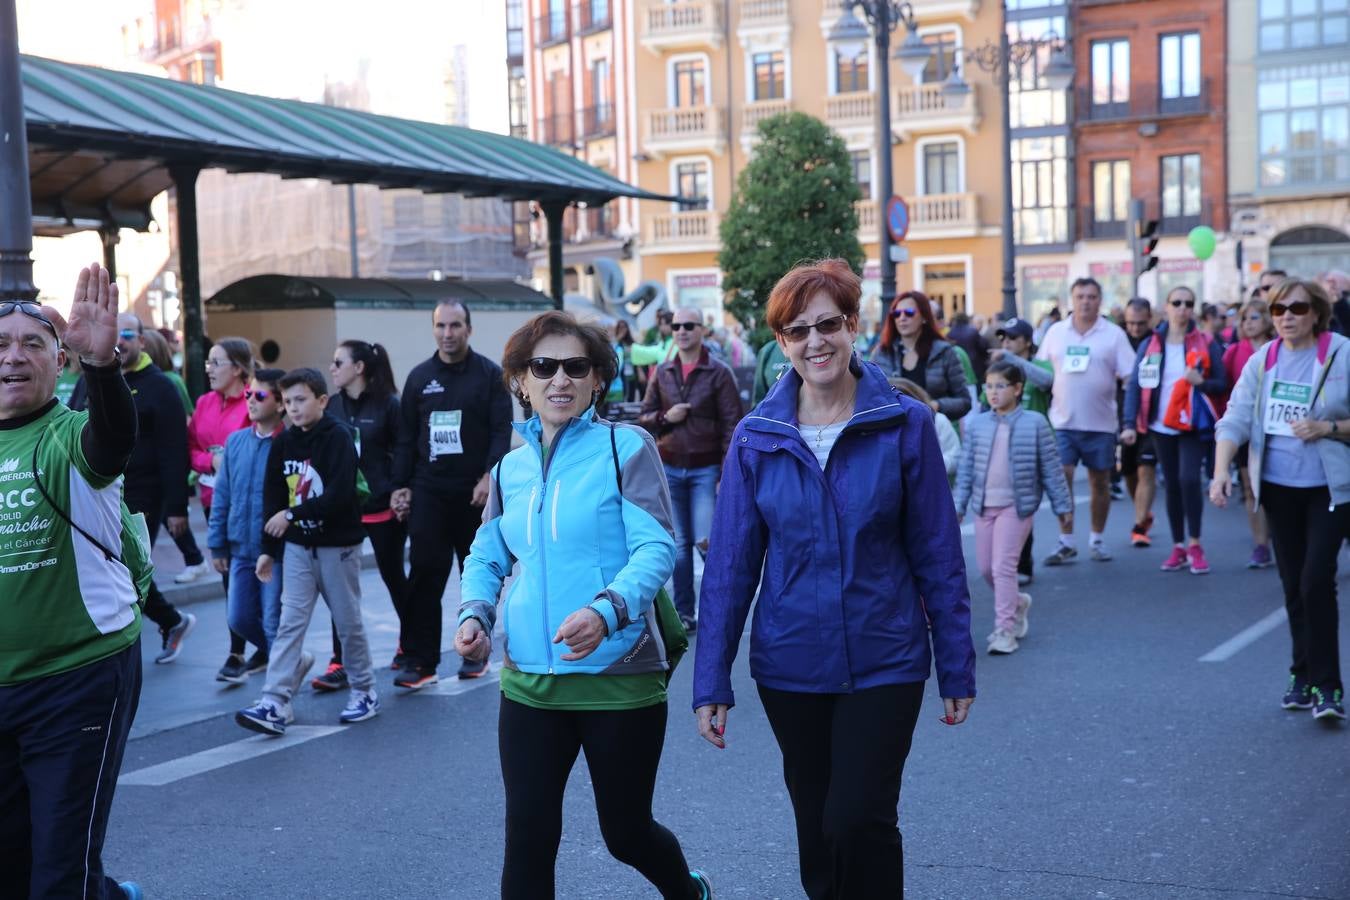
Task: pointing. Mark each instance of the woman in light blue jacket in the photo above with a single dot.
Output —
(584, 509)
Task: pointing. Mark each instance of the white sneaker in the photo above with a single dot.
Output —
(1002, 644)
(1020, 622)
(192, 573)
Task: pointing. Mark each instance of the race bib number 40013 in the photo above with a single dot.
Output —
(1289, 403)
(1076, 358)
(445, 437)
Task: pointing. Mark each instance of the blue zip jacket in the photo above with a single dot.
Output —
(579, 542)
(237, 507)
(860, 562)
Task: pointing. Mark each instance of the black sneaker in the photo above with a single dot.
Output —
(256, 663)
(468, 669)
(1329, 704)
(1063, 554)
(1299, 695)
(335, 679)
(414, 678)
(235, 670)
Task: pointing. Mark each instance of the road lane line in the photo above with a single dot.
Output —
(225, 755)
(1247, 636)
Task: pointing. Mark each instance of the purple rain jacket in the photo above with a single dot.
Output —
(861, 562)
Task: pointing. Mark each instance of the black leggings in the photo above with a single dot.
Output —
(843, 755)
(623, 749)
(388, 540)
(1181, 456)
(1307, 535)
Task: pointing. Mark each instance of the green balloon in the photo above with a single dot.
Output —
(1202, 241)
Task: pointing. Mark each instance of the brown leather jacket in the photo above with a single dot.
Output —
(701, 438)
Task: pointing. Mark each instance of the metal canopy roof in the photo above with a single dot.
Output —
(101, 144)
(272, 292)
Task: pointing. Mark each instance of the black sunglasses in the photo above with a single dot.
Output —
(30, 309)
(1298, 308)
(1189, 304)
(794, 334)
(251, 394)
(543, 368)
(687, 326)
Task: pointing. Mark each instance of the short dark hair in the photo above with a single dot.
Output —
(1084, 282)
(1139, 303)
(520, 348)
(310, 378)
(1011, 373)
(270, 377)
(453, 301)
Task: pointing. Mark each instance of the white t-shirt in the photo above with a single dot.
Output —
(1086, 369)
(1174, 367)
(821, 440)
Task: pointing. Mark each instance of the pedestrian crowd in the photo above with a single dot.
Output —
(827, 518)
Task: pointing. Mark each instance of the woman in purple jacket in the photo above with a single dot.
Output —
(835, 491)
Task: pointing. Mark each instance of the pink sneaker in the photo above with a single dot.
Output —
(1177, 561)
(1199, 565)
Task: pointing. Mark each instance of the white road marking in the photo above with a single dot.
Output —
(1247, 636)
(226, 755)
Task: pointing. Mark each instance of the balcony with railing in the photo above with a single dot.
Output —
(597, 121)
(551, 29)
(684, 24)
(943, 215)
(1182, 221)
(756, 112)
(924, 11)
(556, 130)
(853, 110)
(920, 108)
(763, 13)
(1095, 229)
(594, 15)
(684, 129)
(867, 219)
(690, 229)
(1145, 102)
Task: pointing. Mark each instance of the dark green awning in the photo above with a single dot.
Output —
(101, 144)
(289, 292)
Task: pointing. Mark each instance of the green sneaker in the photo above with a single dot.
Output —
(1328, 704)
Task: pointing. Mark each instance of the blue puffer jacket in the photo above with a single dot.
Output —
(579, 542)
(860, 562)
(236, 522)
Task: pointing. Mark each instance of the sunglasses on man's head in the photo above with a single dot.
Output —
(259, 394)
(1298, 308)
(544, 368)
(687, 326)
(904, 311)
(1189, 304)
(795, 334)
(30, 309)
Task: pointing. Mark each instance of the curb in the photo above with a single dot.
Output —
(209, 588)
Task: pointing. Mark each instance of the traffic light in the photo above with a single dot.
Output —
(1143, 239)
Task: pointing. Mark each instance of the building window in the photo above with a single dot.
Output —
(690, 88)
(769, 76)
(1180, 192)
(1304, 125)
(862, 171)
(1032, 103)
(1110, 77)
(516, 94)
(515, 25)
(691, 183)
(600, 114)
(941, 168)
(942, 56)
(1301, 24)
(850, 69)
(1179, 72)
(1040, 190)
(1110, 197)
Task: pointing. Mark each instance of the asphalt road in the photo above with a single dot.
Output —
(1103, 760)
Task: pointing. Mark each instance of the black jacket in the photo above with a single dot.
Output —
(157, 473)
(377, 422)
(473, 387)
(313, 474)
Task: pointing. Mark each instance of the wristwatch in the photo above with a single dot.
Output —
(1335, 427)
(116, 361)
(290, 516)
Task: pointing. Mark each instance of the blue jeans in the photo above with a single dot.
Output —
(253, 608)
(692, 492)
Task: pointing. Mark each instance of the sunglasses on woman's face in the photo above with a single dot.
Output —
(795, 334)
(1298, 308)
(904, 311)
(544, 368)
(259, 394)
(1189, 304)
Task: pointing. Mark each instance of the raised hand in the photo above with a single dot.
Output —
(91, 332)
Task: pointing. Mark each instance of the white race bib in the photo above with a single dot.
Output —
(1289, 403)
(445, 439)
(1150, 371)
(1076, 358)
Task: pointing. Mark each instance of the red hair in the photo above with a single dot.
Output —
(794, 291)
(927, 334)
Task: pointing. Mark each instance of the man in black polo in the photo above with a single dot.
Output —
(456, 425)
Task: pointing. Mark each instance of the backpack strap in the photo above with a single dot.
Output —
(614, 449)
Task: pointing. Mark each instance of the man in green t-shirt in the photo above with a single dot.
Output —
(73, 567)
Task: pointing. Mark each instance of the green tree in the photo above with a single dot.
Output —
(793, 202)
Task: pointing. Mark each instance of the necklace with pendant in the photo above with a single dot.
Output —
(820, 429)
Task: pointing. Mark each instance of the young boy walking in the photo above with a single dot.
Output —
(313, 522)
(235, 532)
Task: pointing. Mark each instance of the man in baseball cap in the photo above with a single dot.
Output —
(1015, 328)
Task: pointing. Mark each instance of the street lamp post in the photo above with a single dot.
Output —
(16, 207)
(1002, 60)
(883, 16)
